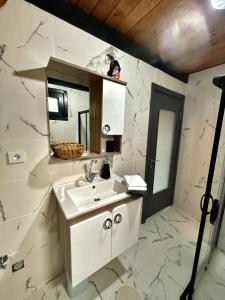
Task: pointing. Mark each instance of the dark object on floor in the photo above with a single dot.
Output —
(114, 70)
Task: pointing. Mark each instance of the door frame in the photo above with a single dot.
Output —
(152, 134)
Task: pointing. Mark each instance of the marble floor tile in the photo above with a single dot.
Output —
(158, 267)
(127, 292)
(211, 284)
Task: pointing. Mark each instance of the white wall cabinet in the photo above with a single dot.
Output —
(98, 239)
(113, 107)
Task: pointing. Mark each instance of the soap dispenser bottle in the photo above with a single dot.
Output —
(105, 172)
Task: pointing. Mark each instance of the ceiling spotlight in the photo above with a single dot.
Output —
(218, 4)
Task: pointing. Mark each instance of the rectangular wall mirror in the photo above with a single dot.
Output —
(69, 111)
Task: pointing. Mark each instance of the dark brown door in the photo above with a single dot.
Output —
(165, 122)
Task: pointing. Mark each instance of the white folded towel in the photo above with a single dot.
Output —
(136, 188)
(135, 181)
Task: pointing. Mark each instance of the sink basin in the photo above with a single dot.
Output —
(75, 201)
(93, 193)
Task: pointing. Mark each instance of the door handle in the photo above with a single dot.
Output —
(153, 162)
(214, 211)
(118, 219)
(107, 224)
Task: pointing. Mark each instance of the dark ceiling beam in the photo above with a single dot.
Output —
(74, 15)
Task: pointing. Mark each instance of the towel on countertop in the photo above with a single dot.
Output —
(134, 180)
(136, 188)
(135, 183)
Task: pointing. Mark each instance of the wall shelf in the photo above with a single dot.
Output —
(55, 159)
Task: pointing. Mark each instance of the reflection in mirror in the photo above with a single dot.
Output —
(83, 121)
(68, 106)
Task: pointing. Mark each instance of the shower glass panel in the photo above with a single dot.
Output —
(216, 191)
(164, 150)
(209, 205)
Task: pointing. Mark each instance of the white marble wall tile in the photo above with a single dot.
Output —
(25, 48)
(124, 168)
(35, 149)
(19, 198)
(163, 79)
(140, 165)
(42, 263)
(17, 122)
(20, 74)
(29, 29)
(36, 229)
(200, 113)
(60, 171)
(140, 147)
(33, 238)
(140, 123)
(127, 152)
(128, 124)
(74, 46)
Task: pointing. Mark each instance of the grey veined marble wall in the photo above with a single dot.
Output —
(200, 115)
(28, 223)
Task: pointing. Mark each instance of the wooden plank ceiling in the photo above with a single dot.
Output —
(189, 35)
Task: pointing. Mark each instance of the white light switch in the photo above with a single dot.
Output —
(15, 157)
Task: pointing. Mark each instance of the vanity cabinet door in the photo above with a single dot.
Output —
(126, 222)
(90, 246)
(113, 107)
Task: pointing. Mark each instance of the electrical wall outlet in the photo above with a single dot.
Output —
(15, 157)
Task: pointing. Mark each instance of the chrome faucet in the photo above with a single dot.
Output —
(91, 175)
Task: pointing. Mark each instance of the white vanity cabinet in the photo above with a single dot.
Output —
(98, 239)
(90, 246)
(125, 230)
(113, 107)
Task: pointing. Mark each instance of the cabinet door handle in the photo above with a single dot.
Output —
(106, 128)
(118, 218)
(107, 224)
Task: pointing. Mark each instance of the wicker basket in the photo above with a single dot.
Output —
(67, 150)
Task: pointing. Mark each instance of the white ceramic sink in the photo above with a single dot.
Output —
(96, 192)
(75, 201)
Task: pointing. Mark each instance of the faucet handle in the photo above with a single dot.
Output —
(93, 161)
(93, 175)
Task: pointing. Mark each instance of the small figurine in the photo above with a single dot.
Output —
(2, 2)
(114, 70)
